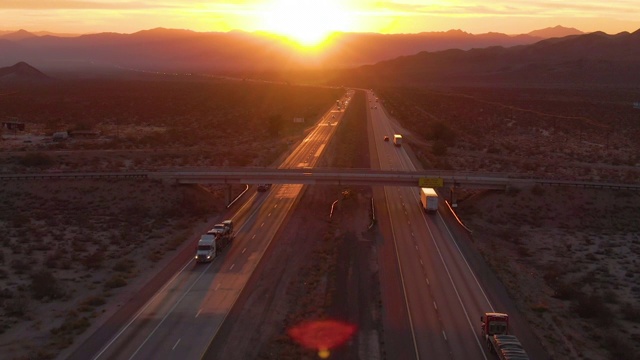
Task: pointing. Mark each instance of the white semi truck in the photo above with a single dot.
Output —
(214, 241)
(397, 139)
(429, 199)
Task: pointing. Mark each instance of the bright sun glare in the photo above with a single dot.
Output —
(306, 21)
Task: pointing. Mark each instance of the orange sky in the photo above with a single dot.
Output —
(309, 20)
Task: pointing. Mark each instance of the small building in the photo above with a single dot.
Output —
(13, 125)
(60, 136)
(87, 134)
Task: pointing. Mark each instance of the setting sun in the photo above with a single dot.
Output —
(307, 22)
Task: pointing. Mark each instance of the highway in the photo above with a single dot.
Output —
(181, 319)
(442, 296)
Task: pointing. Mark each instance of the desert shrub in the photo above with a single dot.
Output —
(37, 159)
(592, 306)
(443, 133)
(540, 307)
(619, 347)
(512, 191)
(537, 190)
(116, 281)
(16, 307)
(631, 312)
(439, 148)
(523, 251)
(94, 260)
(19, 220)
(20, 266)
(45, 285)
(124, 265)
(565, 290)
(93, 301)
(73, 324)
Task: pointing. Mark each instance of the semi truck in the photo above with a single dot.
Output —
(429, 199)
(397, 139)
(495, 329)
(214, 241)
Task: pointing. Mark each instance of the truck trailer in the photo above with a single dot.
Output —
(214, 241)
(397, 139)
(495, 329)
(429, 199)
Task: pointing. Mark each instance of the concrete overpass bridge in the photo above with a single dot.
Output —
(326, 176)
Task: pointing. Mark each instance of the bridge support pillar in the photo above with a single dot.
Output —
(227, 196)
(452, 197)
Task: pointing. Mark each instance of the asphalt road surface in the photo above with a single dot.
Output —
(441, 296)
(182, 318)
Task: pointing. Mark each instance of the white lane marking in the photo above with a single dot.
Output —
(243, 250)
(427, 280)
(404, 290)
(445, 338)
(167, 315)
(253, 237)
(465, 261)
(416, 247)
(261, 225)
(217, 286)
(232, 265)
(143, 309)
(455, 289)
(199, 311)
(275, 206)
(269, 215)
(421, 263)
(177, 342)
(435, 306)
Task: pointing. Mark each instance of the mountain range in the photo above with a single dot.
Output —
(183, 50)
(363, 59)
(595, 58)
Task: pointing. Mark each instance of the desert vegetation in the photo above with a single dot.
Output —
(567, 255)
(70, 249)
(159, 122)
(570, 134)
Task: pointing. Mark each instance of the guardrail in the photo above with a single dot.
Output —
(75, 176)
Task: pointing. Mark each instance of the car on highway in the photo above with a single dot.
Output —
(263, 187)
(386, 138)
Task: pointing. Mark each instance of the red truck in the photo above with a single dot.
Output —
(495, 329)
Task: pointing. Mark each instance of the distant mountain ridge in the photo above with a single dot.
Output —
(555, 32)
(594, 58)
(184, 50)
(21, 72)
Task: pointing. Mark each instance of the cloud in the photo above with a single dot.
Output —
(586, 8)
(83, 5)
